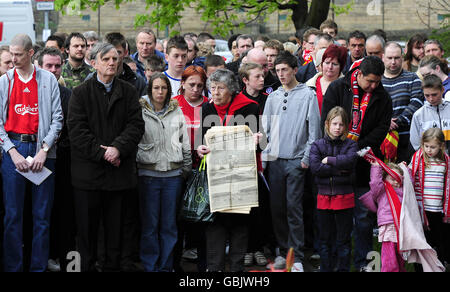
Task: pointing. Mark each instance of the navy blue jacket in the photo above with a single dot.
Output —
(337, 176)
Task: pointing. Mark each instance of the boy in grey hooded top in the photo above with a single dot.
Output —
(435, 113)
(291, 121)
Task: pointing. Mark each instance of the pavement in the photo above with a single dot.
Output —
(308, 265)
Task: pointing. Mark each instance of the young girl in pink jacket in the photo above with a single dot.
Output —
(377, 201)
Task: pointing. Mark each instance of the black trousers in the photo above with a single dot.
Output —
(89, 206)
(335, 239)
(438, 235)
(287, 182)
(231, 227)
(62, 223)
(131, 231)
(260, 220)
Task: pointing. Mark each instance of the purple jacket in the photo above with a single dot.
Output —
(336, 177)
(376, 199)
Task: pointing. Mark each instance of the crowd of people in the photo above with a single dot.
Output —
(122, 132)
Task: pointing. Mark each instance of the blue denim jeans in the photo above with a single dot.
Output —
(335, 237)
(13, 197)
(158, 198)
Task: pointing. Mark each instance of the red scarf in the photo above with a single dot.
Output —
(238, 102)
(418, 168)
(358, 108)
(307, 57)
(319, 93)
(394, 201)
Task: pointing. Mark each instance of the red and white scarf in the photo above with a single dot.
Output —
(394, 201)
(418, 171)
(358, 108)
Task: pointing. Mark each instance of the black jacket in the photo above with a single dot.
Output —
(110, 119)
(260, 99)
(63, 140)
(136, 80)
(306, 72)
(375, 124)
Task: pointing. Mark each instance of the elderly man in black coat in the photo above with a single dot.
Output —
(105, 125)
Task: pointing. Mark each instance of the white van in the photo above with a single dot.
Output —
(16, 16)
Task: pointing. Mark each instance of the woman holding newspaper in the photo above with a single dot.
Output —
(228, 108)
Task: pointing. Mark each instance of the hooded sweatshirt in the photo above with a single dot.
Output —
(429, 116)
(291, 121)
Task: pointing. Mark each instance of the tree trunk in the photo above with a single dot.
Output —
(318, 12)
(299, 14)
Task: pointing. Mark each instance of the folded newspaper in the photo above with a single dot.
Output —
(231, 169)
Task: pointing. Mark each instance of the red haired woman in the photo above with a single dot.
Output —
(190, 100)
(333, 62)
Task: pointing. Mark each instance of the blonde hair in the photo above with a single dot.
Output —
(204, 49)
(433, 134)
(395, 167)
(337, 111)
(290, 47)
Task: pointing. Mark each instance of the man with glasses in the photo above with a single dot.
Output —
(369, 107)
(308, 70)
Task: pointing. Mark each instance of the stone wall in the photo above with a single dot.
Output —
(366, 15)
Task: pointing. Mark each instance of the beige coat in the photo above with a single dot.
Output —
(165, 144)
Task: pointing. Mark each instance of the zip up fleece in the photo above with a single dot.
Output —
(165, 144)
(49, 104)
(427, 117)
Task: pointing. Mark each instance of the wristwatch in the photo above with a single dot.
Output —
(45, 147)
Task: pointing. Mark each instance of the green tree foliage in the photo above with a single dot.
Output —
(443, 35)
(223, 15)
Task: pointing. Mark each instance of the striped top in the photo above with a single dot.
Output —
(433, 191)
(407, 97)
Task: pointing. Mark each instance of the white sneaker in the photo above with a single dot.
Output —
(260, 258)
(297, 267)
(190, 254)
(315, 256)
(365, 269)
(248, 259)
(53, 265)
(278, 264)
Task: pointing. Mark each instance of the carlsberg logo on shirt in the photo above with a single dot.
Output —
(22, 109)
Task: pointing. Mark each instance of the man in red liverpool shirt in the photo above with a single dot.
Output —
(30, 122)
